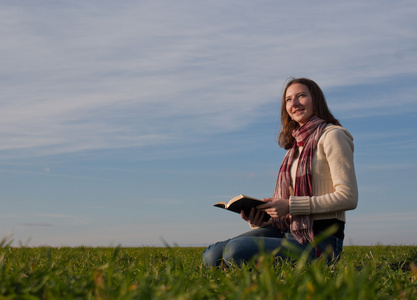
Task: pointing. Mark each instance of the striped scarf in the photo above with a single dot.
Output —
(307, 137)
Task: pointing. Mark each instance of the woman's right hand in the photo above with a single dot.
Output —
(255, 218)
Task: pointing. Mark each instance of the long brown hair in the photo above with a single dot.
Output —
(285, 138)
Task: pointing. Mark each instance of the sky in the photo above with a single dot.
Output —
(123, 122)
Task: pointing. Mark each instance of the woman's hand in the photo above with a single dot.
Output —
(255, 218)
(275, 207)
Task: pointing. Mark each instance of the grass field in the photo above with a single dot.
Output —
(375, 272)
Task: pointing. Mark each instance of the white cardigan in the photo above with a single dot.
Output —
(333, 178)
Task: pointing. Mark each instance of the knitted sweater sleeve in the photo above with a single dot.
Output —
(334, 180)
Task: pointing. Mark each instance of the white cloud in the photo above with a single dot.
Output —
(387, 167)
(377, 218)
(84, 76)
(37, 224)
(171, 78)
(395, 228)
(44, 216)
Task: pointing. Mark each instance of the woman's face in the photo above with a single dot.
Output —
(299, 103)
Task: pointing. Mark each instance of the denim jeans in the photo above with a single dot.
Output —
(246, 246)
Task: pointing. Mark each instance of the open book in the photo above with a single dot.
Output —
(242, 202)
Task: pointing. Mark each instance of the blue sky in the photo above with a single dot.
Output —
(121, 123)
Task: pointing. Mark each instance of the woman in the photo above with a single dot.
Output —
(316, 184)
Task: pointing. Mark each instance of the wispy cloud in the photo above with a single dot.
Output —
(39, 224)
(377, 218)
(396, 228)
(38, 215)
(46, 172)
(81, 77)
(387, 167)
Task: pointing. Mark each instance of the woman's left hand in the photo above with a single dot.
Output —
(255, 218)
(275, 207)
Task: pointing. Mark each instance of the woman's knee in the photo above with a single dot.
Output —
(213, 254)
(240, 250)
(210, 259)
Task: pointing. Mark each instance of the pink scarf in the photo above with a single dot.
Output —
(306, 136)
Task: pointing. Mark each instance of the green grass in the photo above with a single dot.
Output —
(376, 272)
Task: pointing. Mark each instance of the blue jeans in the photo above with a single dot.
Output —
(246, 246)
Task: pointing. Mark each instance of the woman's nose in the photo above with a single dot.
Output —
(295, 101)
